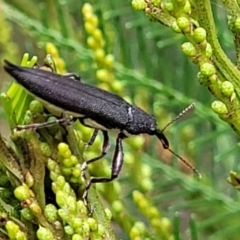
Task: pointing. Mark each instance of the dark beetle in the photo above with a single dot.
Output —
(93, 107)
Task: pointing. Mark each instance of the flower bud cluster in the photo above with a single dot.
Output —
(96, 42)
(70, 168)
(161, 226)
(72, 211)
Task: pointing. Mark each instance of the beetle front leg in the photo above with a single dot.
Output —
(117, 163)
(105, 148)
(64, 121)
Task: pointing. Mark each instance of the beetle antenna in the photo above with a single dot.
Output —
(191, 106)
(165, 143)
(186, 163)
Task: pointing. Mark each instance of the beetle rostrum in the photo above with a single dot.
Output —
(94, 107)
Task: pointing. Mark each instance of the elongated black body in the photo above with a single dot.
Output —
(84, 101)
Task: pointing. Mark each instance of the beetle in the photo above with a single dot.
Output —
(94, 108)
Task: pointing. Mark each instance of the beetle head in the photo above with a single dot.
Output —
(160, 135)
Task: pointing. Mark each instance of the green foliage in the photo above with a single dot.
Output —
(117, 48)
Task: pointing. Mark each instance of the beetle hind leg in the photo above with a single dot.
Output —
(117, 163)
(105, 148)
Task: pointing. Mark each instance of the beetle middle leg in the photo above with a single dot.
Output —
(117, 163)
(92, 139)
(105, 148)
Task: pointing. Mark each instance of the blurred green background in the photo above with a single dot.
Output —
(151, 71)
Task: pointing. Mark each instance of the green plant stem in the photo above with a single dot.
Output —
(222, 62)
(234, 11)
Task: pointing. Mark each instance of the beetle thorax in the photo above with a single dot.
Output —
(140, 122)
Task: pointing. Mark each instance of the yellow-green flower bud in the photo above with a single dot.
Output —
(64, 215)
(62, 147)
(89, 27)
(60, 182)
(117, 206)
(102, 74)
(29, 179)
(87, 7)
(27, 214)
(85, 228)
(21, 236)
(97, 34)
(140, 226)
(81, 207)
(199, 34)
(54, 176)
(50, 212)
(45, 148)
(101, 230)
(77, 237)
(153, 213)
(28, 117)
(44, 234)
(209, 50)
(227, 88)
(35, 208)
(187, 7)
(189, 49)
(67, 188)
(51, 164)
(77, 223)
(66, 171)
(22, 192)
(237, 23)
(94, 21)
(36, 107)
(207, 69)
(99, 54)
(202, 79)
(71, 204)
(184, 24)
(76, 172)
(109, 60)
(147, 184)
(146, 170)
(175, 27)
(156, 2)
(73, 160)
(168, 6)
(166, 224)
(137, 196)
(68, 230)
(61, 199)
(12, 229)
(219, 107)
(139, 4)
(92, 224)
(108, 213)
(67, 163)
(92, 43)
